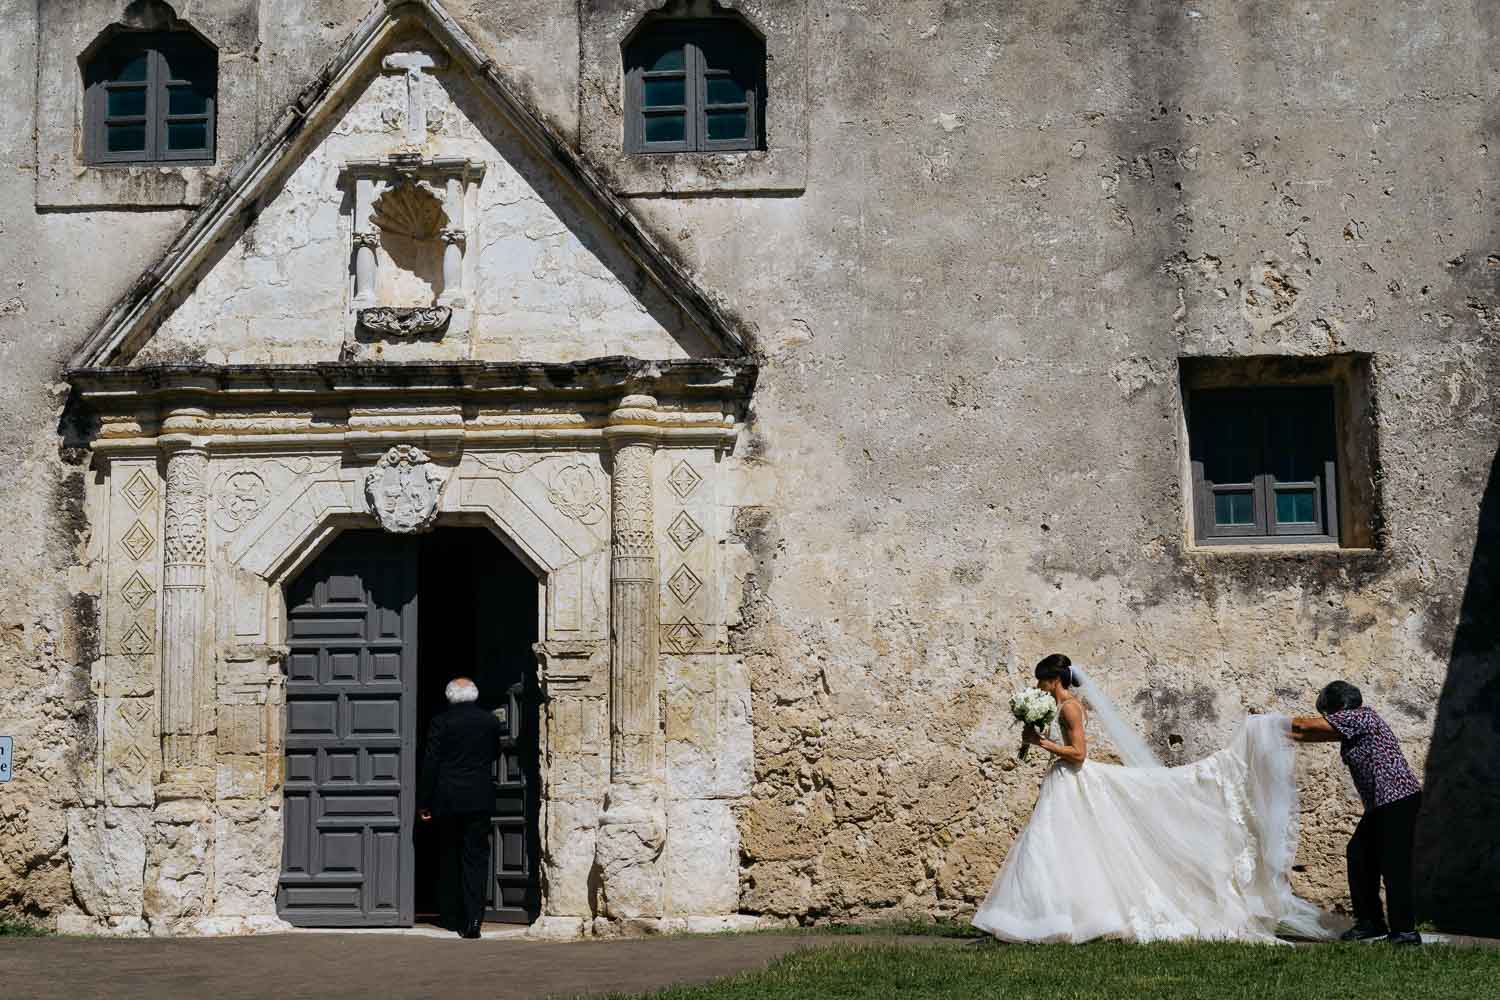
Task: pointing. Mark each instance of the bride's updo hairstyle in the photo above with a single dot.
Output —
(1057, 667)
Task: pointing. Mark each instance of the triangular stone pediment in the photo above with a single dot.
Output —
(410, 207)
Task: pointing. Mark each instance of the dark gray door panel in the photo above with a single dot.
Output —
(350, 733)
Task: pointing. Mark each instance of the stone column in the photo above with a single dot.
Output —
(364, 268)
(453, 237)
(186, 677)
(632, 828)
(453, 268)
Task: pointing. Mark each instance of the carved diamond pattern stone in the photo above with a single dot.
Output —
(132, 761)
(134, 712)
(684, 531)
(683, 637)
(138, 540)
(136, 642)
(684, 479)
(139, 490)
(684, 584)
(137, 590)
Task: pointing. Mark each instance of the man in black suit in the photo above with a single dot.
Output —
(463, 744)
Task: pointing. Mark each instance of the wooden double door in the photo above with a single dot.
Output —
(377, 626)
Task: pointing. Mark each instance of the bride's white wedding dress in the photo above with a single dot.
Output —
(1147, 853)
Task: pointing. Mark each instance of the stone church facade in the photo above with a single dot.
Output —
(747, 471)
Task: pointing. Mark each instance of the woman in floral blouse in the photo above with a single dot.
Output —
(1381, 847)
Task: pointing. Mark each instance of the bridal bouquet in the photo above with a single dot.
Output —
(1033, 708)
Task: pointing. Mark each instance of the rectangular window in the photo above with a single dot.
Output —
(694, 85)
(150, 99)
(1264, 464)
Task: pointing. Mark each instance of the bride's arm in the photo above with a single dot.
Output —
(1074, 748)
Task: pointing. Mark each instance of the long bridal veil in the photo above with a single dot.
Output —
(1128, 743)
(1147, 852)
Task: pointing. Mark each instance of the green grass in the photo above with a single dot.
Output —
(21, 927)
(1113, 971)
(894, 928)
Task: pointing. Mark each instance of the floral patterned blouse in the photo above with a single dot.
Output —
(1374, 757)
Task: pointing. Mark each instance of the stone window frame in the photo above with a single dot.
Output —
(69, 34)
(780, 168)
(694, 36)
(156, 113)
(1352, 498)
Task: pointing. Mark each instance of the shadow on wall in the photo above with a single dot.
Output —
(1458, 836)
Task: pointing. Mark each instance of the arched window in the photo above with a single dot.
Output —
(694, 85)
(150, 98)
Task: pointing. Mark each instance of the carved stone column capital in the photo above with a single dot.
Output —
(635, 421)
(367, 240)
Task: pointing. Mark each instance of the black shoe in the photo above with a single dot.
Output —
(1363, 932)
(1404, 938)
(471, 931)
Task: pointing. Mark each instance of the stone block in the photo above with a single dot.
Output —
(132, 676)
(700, 864)
(235, 926)
(547, 928)
(730, 923)
(79, 923)
(131, 751)
(240, 777)
(247, 859)
(107, 854)
(179, 866)
(710, 743)
(242, 726)
(628, 849)
(568, 857)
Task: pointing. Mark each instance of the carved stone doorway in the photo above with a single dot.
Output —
(378, 625)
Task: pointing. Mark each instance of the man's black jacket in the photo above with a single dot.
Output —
(462, 746)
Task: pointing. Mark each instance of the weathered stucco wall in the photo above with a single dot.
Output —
(967, 446)
(1012, 230)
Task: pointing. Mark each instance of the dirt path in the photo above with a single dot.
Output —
(387, 967)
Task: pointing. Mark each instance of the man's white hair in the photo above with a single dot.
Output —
(460, 690)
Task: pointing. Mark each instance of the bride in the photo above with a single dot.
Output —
(1144, 852)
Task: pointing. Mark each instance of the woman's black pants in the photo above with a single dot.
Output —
(1381, 849)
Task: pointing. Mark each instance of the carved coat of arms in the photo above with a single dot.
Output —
(402, 490)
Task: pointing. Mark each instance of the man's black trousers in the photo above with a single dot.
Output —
(1381, 848)
(465, 843)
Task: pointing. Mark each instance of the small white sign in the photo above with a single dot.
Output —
(5, 745)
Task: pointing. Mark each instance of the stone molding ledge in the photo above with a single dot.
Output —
(366, 408)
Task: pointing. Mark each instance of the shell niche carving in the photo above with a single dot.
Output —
(409, 210)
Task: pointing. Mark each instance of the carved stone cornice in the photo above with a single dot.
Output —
(595, 379)
(444, 407)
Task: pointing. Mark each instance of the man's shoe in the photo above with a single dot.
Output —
(471, 931)
(1363, 932)
(1405, 938)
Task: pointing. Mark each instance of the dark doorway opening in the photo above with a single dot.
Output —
(479, 620)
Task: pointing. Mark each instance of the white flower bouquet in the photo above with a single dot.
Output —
(1033, 708)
